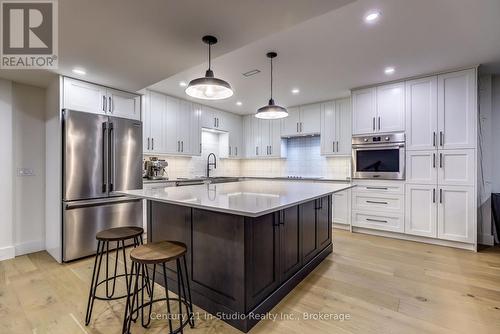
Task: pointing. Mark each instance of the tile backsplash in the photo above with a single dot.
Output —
(303, 159)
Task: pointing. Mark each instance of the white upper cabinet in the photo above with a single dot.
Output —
(336, 127)
(154, 120)
(172, 144)
(364, 111)
(291, 123)
(456, 213)
(214, 119)
(123, 104)
(421, 114)
(303, 120)
(457, 109)
(235, 132)
(378, 109)
(310, 118)
(88, 97)
(262, 138)
(84, 96)
(195, 129)
(391, 108)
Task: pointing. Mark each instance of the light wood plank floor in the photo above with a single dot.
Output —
(382, 285)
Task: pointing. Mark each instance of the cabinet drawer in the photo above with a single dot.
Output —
(379, 187)
(383, 221)
(375, 202)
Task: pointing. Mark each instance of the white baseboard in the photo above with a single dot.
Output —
(7, 253)
(29, 247)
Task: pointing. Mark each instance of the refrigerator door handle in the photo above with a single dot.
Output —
(99, 202)
(111, 157)
(104, 136)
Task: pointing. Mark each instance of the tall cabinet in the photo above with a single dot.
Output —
(441, 123)
(336, 127)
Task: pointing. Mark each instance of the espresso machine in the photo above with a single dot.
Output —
(154, 169)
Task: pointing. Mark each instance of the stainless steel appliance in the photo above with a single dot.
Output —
(379, 156)
(101, 156)
(155, 169)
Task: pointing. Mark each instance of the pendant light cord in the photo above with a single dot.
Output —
(271, 78)
(209, 56)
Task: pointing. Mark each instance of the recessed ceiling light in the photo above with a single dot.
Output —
(295, 91)
(389, 70)
(372, 16)
(183, 84)
(79, 71)
(239, 103)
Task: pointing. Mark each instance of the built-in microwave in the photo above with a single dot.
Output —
(379, 156)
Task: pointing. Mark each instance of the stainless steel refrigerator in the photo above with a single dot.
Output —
(101, 156)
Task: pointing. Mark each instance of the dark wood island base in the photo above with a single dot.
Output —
(242, 266)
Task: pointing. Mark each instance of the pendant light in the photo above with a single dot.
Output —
(209, 87)
(271, 111)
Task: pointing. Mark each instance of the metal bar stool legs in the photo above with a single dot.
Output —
(104, 238)
(140, 263)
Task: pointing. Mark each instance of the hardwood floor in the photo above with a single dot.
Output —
(382, 285)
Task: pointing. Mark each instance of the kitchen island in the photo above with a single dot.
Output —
(249, 242)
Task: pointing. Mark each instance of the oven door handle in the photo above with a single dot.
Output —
(377, 146)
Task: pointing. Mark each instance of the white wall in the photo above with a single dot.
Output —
(495, 130)
(28, 103)
(6, 172)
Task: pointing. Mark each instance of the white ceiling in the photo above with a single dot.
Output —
(131, 44)
(327, 55)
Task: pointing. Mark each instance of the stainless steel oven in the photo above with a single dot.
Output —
(379, 156)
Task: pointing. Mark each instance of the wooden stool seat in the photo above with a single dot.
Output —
(158, 252)
(120, 233)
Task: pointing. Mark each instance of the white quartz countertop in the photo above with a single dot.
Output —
(251, 198)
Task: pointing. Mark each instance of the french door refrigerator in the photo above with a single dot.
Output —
(101, 156)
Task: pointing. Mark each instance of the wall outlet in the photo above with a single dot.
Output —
(25, 172)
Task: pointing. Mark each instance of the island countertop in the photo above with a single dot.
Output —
(250, 198)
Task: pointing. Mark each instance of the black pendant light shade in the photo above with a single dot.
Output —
(209, 87)
(272, 110)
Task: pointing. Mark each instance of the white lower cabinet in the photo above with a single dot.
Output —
(378, 220)
(456, 213)
(421, 210)
(341, 207)
(445, 212)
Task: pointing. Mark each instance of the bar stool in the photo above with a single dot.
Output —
(119, 235)
(153, 254)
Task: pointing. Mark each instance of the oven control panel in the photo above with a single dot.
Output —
(397, 137)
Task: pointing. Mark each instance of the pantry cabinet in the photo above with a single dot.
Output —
(378, 109)
(88, 97)
(336, 127)
(302, 120)
(421, 210)
(456, 213)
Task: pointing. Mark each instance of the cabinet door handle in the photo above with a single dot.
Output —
(373, 123)
(236, 150)
(377, 202)
(178, 146)
(301, 127)
(229, 149)
(256, 150)
(200, 148)
(441, 138)
(440, 160)
(297, 127)
(110, 104)
(379, 123)
(376, 220)
(148, 143)
(433, 195)
(433, 160)
(441, 195)
(337, 146)
(215, 122)
(182, 146)
(152, 143)
(104, 103)
(377, 188)
(333, 146)
(434, 138)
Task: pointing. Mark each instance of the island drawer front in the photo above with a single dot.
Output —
(379, 221)
(379, 187)
(376, 202)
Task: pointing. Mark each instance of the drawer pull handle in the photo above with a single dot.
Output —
(378, 188)
(376, 220)
(376, 202)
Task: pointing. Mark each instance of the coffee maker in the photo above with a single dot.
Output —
(155, 169)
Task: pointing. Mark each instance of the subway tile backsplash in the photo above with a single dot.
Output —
(303, 159)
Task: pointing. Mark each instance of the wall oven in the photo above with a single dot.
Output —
(379, 156)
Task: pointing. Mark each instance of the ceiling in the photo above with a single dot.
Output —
(327, 55)
(132, 44)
